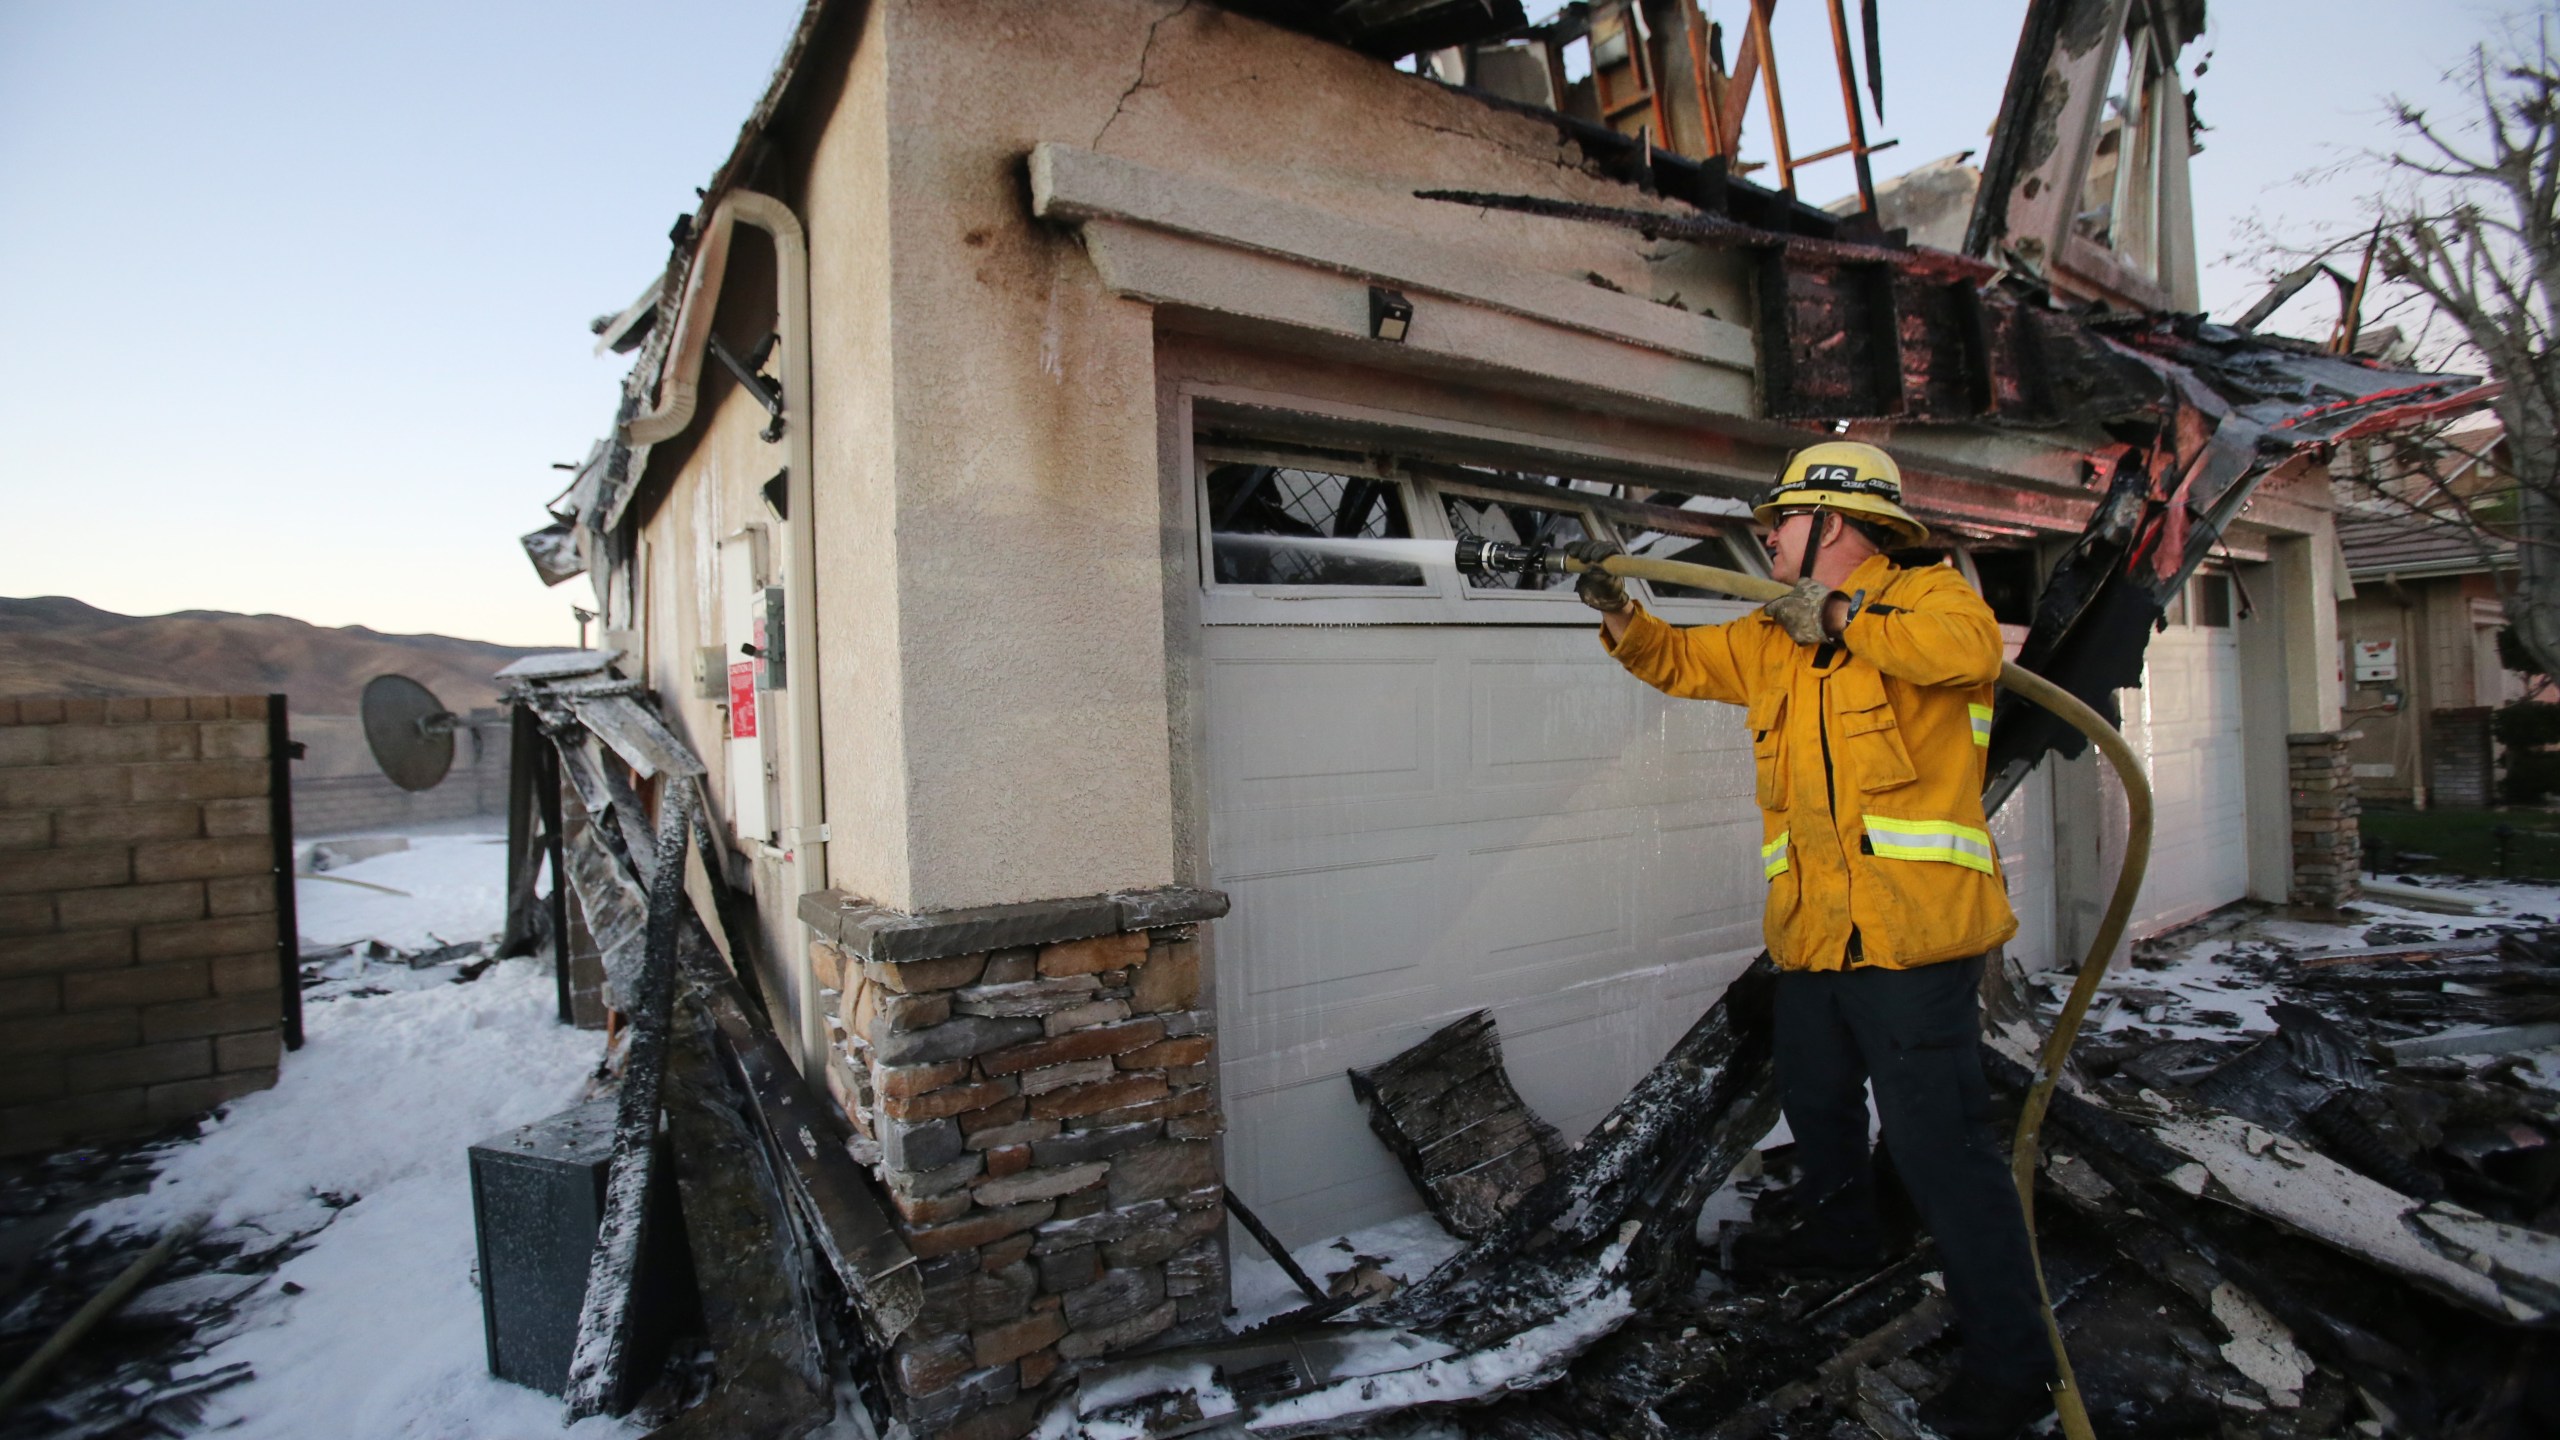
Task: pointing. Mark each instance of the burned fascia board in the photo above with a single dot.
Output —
(1849, 330)
(2300, 392)
(622, 333)
(635, 733)
(877, 933)
(1707, 185)
(553, 549)
(1389, 29)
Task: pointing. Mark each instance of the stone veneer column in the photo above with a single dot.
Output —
(1031, 1088)
(2327, 841)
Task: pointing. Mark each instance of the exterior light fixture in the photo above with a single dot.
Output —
(1390, 314)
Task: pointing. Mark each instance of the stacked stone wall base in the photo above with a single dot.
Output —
(2327, 835)
(1042, 1119)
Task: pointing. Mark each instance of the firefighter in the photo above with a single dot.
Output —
(1868, 691)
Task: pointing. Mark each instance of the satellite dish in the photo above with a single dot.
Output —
(410, 731)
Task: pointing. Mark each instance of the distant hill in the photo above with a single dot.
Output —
(54, 645)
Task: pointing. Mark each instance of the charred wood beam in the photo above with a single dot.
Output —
(524, 749)
(600, 1371)
(769, 1368)
(2503, 1273)
(1390, 29)
(806, 1145)
(1855, 331)
(2013, 132)
(1719, 231)
(1653, 1158)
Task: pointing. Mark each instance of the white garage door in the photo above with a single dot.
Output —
(2185, 724)
(1414, 822)
(1440, 798)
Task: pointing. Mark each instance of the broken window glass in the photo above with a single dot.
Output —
(1735, 549)
(1515, 522)
(1284, 525)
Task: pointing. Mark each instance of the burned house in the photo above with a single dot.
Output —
(1030, 502)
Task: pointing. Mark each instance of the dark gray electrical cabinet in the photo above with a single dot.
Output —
(537, 1199)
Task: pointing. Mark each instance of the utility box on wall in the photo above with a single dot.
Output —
(743, 628)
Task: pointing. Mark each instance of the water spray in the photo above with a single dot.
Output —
(1477, 556)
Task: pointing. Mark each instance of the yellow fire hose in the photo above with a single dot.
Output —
(2057, 1046)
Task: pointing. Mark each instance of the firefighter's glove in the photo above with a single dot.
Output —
(1799, 611)
(1598, 589)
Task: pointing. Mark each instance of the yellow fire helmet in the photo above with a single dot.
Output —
(1847, 476)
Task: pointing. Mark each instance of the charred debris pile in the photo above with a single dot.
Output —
(2349, 1226)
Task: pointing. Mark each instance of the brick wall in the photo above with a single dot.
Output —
(1041, 1117)
(138, 957)
(2328, 848)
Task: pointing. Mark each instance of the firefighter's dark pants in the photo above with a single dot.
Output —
(1917, 1034)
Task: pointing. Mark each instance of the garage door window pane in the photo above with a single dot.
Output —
(1515, 523)
(1724, 552)
(1281, 525)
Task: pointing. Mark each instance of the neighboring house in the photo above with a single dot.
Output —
(1033, 393)
(2420, 639)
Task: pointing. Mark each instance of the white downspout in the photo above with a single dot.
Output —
(804, 828)
(680, 384)
(804, 835)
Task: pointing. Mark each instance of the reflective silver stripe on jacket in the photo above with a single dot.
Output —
(1941, 840)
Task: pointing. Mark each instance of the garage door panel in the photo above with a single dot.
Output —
(1331, 925)
(1539, 904)
(1559, 844)
(1536, 722)
(1303, 732)
(1312, 1153)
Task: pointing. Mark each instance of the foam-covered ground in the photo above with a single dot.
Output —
(374, 1332)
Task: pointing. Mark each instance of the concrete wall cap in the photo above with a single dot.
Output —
(873, 932)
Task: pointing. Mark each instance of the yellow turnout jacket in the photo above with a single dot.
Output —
(1869, 755)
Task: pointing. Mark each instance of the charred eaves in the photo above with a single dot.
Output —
(1390, 29)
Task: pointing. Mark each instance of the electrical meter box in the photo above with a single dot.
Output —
(749, 645)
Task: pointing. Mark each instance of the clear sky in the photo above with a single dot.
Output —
(296, 294)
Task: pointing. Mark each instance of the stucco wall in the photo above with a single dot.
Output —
(845, 203)
(720, 494)
(1033, 703)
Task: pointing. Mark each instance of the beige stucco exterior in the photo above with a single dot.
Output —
(990, 598)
